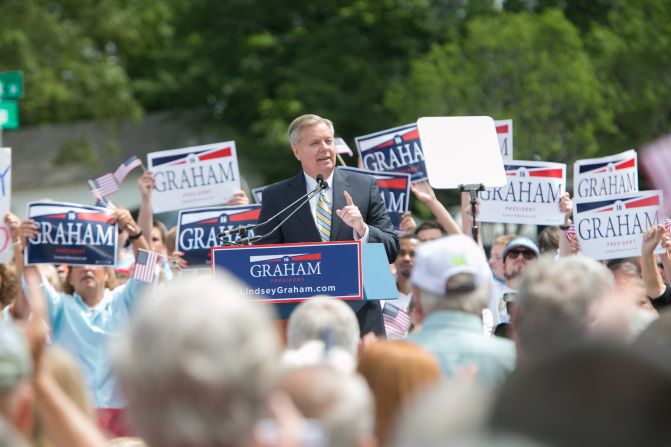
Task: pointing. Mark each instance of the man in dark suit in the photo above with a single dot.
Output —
(352, 208)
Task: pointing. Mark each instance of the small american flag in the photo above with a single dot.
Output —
(570, 233)
(145, 264)
(341, 147)
(104, 185)
(396, 321)
(125, 168)
(667, 225)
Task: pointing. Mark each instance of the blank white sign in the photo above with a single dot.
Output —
(461, 150)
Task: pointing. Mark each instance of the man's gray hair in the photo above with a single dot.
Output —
(197, 363)
(294, 132)
(472, 301)
(556, 304)
(326, 319)
(341, 402)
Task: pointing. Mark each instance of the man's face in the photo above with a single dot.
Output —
(496, 260)
(429, 234)
(517, 260)
(86, 278)
(315, 150)
(406, 257)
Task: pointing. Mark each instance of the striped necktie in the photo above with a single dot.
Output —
(323, 212)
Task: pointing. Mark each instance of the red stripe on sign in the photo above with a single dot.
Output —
(55, 216)
(626, 164)
(557, 173)
(225, 152)
(502, 128)
(94, 217)
(396, 183)
(312, 257)
(411, 135)
(648, 201)
(247, 215)
(209, 221)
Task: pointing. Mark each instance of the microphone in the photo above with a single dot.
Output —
(241, 230)
(321, 183)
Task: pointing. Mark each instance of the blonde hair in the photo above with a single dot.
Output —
(396, 371)
(294, 131)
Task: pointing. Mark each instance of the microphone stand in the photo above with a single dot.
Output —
(250, 240)
(243, 230)
(473, 190)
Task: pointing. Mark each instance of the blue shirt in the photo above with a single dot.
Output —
(86, 332)
(456, 340)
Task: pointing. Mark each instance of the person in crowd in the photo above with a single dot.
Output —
(429, 230)
(548, 241)
(396, 372)
(197, 371)
(518, 255)
(349, 208)
(452, 279)
(85, 317)
(330, 323)
(654, 342)
(591, 395)
(496, 305)
(17, 398)
(557, 304)
(396, 313)
(655, 287)
(340, 402)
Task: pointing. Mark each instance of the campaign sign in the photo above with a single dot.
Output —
(258, 194)
(606, 176)
(613, 227)
(6, 252)
(504, 131)
(71, 234)
(293, 272)
(531, 195)
(395, 192)
(393, 150)
(197, 229)
(194, 176)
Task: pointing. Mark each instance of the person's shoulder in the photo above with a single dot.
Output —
(279, 186)
(355, 176)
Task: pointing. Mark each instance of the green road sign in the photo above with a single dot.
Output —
(11, 85)
(9, 114)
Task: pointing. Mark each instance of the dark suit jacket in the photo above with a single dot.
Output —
(301, 226)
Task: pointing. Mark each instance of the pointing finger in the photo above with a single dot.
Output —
(348, 199)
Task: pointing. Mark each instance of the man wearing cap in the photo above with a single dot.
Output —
(518, 255)
(452, 280)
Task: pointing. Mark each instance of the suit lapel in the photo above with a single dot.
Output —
(341, 184)
(303, 215)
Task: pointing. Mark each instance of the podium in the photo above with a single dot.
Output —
(286, 274)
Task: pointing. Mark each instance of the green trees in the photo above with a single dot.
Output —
(529, 67)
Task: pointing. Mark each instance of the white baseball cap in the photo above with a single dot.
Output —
(439, 260)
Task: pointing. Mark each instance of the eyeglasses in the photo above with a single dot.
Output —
(528, 254)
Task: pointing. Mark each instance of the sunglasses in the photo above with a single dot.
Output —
(528, 254)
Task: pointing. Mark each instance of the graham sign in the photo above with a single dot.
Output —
(194, 176)
(530, 196)
(294, 272)
(393, 150)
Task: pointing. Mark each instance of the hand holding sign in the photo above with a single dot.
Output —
(566, 205)
(351, 215)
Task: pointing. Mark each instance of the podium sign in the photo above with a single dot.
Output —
(287, 273)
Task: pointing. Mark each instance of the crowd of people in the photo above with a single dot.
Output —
(533, 345)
